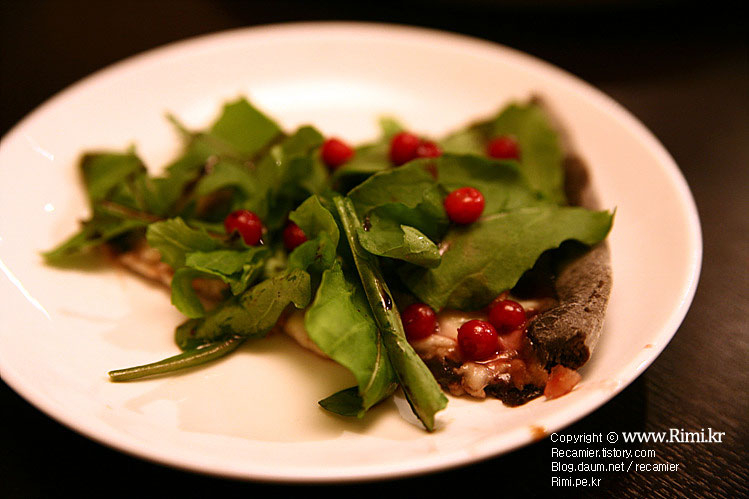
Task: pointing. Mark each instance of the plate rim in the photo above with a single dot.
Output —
(590, 402)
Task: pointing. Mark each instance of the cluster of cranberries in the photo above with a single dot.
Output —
(464, 205)
(334, 152)
(405, 146)
(251, 228)
(477, 339)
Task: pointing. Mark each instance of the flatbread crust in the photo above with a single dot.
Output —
(568, 333)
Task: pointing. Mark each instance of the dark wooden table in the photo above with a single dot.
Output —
(683, 71)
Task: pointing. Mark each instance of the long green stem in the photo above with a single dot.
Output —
(421, 389)
(128, 213)
(188, 358)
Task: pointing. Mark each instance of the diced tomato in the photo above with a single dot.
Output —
(561, 381)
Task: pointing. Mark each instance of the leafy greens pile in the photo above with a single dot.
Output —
(374, 231)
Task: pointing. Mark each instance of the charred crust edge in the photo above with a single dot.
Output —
(568, 333)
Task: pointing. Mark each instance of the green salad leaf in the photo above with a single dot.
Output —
(286, 176)
(244, 128)
(227, 173)
(490, 256)
(318, 253)
(115, 200)
(175, 240)
(238, 269)
(314, 219)
(250, 315)
(92, 234)
(403, 214)
(502, 183)
(194, 254)
(541, 157)
(103, 173)
(384, 236)
(340, 323)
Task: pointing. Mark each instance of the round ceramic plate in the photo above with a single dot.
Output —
(254, 414)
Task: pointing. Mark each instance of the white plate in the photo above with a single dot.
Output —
(255, 415)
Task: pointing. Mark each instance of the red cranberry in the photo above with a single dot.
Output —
(507, 315)
(477, 340)
(249, 226)
(404, 147)
(464, 205)
(293, 236)
(428, 149)
(335, 152)
(419, 321)
(504, 147)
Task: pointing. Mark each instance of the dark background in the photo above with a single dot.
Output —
(680, 68)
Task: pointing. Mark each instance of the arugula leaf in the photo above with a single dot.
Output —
(250, 315)
(347, 402)
(244, 128)
(286, 176)
(500, 182)
(103, 172)
(307, 172)
(491, 255)
(313, 218)
(184, 296)
(199, 148)
(386, 237)
(158, 195)
(277, 262)
(237, 268)
(340, 323)
(193, 253)
(123, 198)
(319, 251)
(239, 134)
(389, 127)
(94, 232)
(409, 195)
(403, 185)
(175, 239)
(315, 255)
(227, 173)
(541, 153)
(114, 188)
(367, 160)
